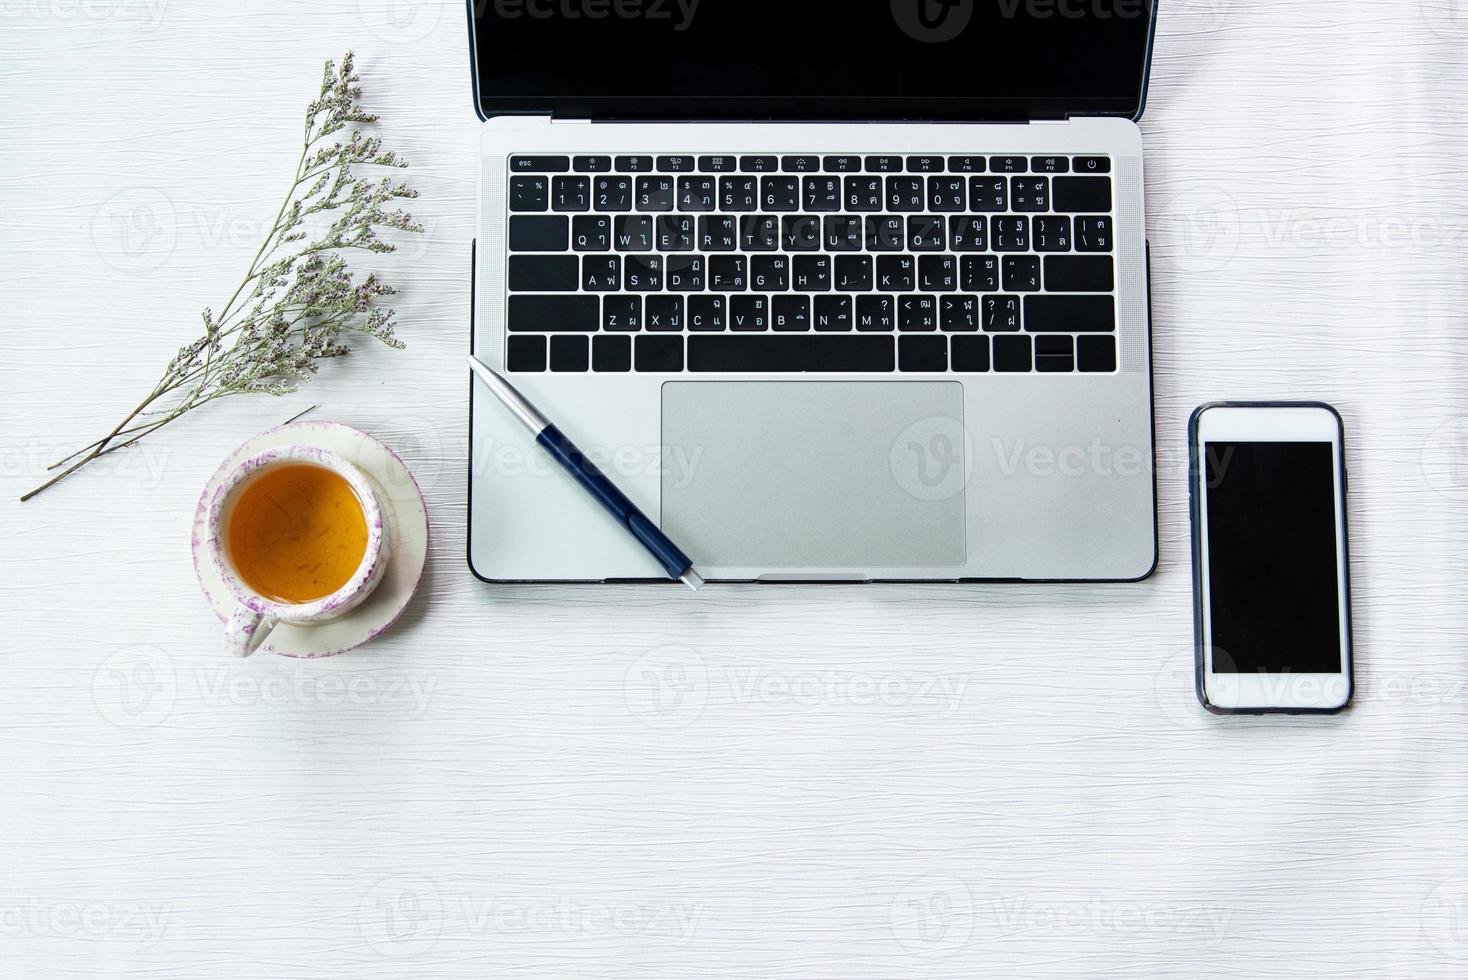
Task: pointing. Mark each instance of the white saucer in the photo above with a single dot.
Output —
(402, 505)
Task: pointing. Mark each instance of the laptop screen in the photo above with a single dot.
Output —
(800, 59)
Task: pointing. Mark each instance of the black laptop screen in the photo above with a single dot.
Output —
(976, 59)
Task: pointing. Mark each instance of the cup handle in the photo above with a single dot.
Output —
(246, 630)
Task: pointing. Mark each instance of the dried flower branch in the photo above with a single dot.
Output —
(299, 294)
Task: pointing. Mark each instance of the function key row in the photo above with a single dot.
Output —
(964, 354)
(807, 164)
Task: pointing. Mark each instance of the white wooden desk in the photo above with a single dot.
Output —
(762, 782)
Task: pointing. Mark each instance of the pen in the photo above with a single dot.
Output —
(678, 565)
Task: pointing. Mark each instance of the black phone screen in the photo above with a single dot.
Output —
(1274, 586)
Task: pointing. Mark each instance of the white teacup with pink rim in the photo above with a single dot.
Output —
(298, 536)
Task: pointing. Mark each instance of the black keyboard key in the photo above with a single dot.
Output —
(1029, 193)
(937, 273)
(809, 353)
(905, 194)
(675, 232)
(1079, 274)
(718, 164)
(553, 314)
(611, 355)
(1012, 354)
(917, 313)
(884, 165)
(812, 273)
(592, 165)
(664, 314)
(842, 165)
(966, 233)
(958, 313)
(822, 193)
(759, 164)
(685, 273)
(1051, 233)
(800, 233)
(634, 233)
(1092, 165)
(1096, 354)
(922, 353)
(643, 273)
(601, 274)
(863, 194)
(622, 314)
(635, 164)
(780, 193)
(749, 313)
(1049, 165)
(569, 354)
(1009, 233)
(697, 193)
(1022, 273)
(1070, 314)
(655, 193)
(966, 165)
(591, 233)
(1082, 194)
(543, 273)
(612, 193)
(739, 193)
(1008, 165)
(679, 164)
(728, 273)
(999, 314)
(946, 194)
(718, 232)
(790, 313)
(525, 355)
(533, 233)
(759, 233)
(853, 273)
(876, 314)
(529, 194)
(969, 355)
(988, 194)
(1054, 355)
(539, 165)
(925, 165)
(707, 314)
(925, 233)
(570, 194)
(1093, 234)
(887, 233)
(979, 273)
(660, 355)
(770, 273)
(844, 233)
(832, 314)
(896, 273)
(801, 164)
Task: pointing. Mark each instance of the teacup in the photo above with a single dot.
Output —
(298, 536)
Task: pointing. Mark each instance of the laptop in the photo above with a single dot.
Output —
(835, 291)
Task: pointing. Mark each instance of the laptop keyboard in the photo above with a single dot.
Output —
(802, 263)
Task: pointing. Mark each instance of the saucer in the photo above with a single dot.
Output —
(402, 505)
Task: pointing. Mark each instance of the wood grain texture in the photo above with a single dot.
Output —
(758, 782)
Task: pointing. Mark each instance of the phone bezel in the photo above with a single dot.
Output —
(1268, 422)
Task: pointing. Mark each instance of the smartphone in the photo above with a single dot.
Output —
(1271, 583)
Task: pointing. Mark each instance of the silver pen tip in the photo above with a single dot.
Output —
(691, 579)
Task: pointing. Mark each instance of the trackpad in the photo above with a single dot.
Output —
(839, 475)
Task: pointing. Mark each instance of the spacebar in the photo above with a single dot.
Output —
(804, 353)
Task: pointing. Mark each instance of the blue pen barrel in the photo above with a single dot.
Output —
(674, 562)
